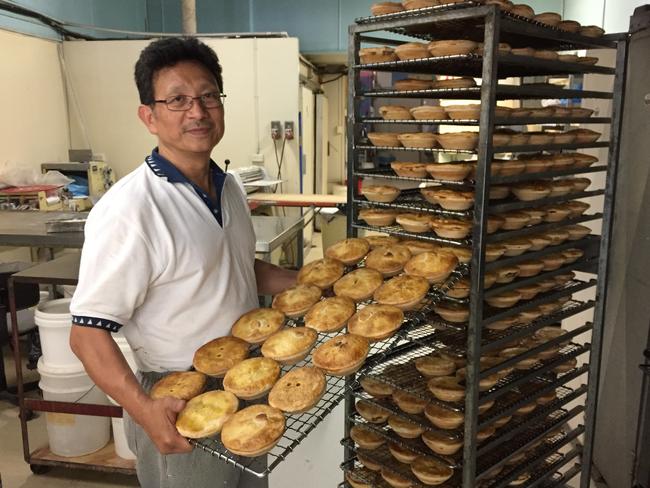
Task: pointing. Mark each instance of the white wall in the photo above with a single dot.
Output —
(33, 118)
(336, 93)
(614, 14)
(260, 80)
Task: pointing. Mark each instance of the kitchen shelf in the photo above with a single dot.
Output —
(497, 122)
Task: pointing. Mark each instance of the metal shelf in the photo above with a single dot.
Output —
(548, 471)
(519, 205)
(472, 65)
(456, 21)
(413, 201)
(500, 236)
(390, 175)
(503, 92)
(496, 149)
(498, 180)
(497, 121)
(396, 230)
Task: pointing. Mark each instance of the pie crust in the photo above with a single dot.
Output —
(409, 403)
(379, 241)
(361, 477)
(321, 273)
(290, 345)
(341, 355)
(376, 322)
(404, 292)
(431, 471)
(434, 266)
(253, 431)
(183, 385)
(375, 387)
(205, 414)
(388, 260)
(371, 412)
(431, 366)
(366, 438)
(378, 217)
(394, 479)
(297, 300)
(348, 251)
(298, 390)
(441, 443)
(257, 325)
(219, 355)
(418, 247)
(252, 378)
(331, 314)
(359, 285)
(404, 428)
(402, 454)
(446, 388)
(443, 418)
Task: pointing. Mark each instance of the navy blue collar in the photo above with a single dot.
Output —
(164, 168)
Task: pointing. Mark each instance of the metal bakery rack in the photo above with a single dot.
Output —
(551, 444)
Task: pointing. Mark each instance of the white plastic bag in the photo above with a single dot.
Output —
(14, 174)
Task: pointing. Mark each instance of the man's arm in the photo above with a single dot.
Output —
(107, 367)
(272, 279)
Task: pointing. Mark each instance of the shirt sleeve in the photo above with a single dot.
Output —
(116, 270)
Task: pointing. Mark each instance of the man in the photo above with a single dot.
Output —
(169, 261)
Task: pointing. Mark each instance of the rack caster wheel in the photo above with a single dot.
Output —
(39, 468)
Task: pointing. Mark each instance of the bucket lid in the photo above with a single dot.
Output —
(61, 306)
(71, 370)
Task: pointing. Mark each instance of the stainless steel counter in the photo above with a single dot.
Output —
(27, 228)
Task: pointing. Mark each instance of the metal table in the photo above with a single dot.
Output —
(27, 228)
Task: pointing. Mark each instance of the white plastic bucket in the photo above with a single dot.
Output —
(119, 437)
(54, 323)
(26, 317)
(73, 435)
(68, 290)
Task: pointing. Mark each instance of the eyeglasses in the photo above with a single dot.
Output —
(181, 103)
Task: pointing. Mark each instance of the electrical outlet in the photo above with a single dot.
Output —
(276, 130)
(288, 129)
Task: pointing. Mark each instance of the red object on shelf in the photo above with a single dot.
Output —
(18, 190)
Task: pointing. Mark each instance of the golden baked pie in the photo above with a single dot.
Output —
(404, 428)
(463, 254)
(253, 431)
(452, 313)
(505, 299)
(371, 412)
(367, 461)
(395, 479)
(361, 477)
(183, 385)
(446, 388)
(430, 471)
(321, 273)
(331, 314)
(341, 355)
(257, 325)
(388, 260)
(409, 403)
(410, 170)
(449, 199)
(378, 217)
(404, 291)
(205, 414)
(375, 387)
(443, 418)
(440, 443)
(298, 390)
(219, 355)
(414, 222)
(434, 266)
(418, 247)
(376, 322)
(252, 378)
(380, 193)
(401, 453)
(366, 438)
(379, 241)
(451, 228)
(431, 366)
(359, 285)
(290, 345)
(348, 251)
(297, 300)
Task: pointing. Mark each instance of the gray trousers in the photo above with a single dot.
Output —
(197, 469)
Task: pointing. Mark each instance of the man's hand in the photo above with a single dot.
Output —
(272, 279)
(159, 422)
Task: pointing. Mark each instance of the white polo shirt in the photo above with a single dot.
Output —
(164, 265)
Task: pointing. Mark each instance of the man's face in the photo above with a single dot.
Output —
(189, 134)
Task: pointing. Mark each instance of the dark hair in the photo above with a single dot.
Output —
(170, 51)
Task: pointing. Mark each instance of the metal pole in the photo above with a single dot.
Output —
(603, 263)
(188, 11)
(486, 125)
(353, 87)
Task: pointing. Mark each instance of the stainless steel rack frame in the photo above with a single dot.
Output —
(488, 24)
